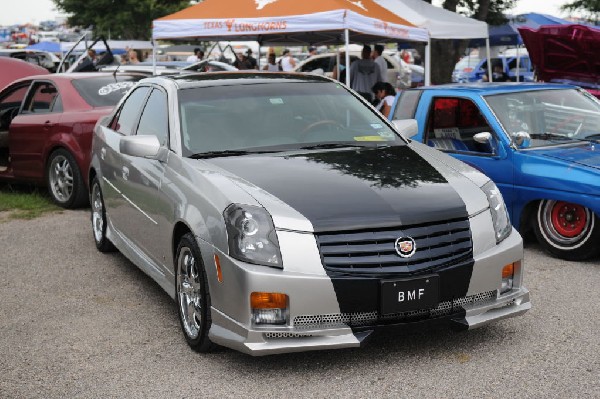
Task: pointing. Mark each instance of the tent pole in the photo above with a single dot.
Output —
(347, 55)
(518, 59)
(489, 59)
(154, 56)
(428, 62)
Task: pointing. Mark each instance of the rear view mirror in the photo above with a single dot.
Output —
(483, 137)
(489, 144)
(407, 128)
(140, 146)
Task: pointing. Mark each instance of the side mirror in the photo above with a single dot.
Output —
(139, 146)
(483, 137)
(521, 139)
(486, 138)
(407, 128)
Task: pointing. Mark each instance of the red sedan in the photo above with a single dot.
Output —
(46, 124)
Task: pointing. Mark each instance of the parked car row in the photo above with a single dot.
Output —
(239, 192)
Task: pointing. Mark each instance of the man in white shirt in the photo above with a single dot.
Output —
(379, 60)
(287, 61)
(197, 56)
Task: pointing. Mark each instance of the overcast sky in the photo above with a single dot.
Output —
(22, 11)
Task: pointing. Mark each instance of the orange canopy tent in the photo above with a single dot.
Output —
(288, 21)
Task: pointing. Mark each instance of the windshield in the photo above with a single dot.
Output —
(277, 116)
(551, 117)
(103, 91)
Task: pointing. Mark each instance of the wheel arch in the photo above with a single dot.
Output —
(179, 230)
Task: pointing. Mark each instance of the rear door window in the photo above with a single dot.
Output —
(43, 98)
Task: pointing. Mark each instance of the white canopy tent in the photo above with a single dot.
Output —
(289, 22)
(441, 24)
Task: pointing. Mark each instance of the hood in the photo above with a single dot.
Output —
(585, 154)
(564, 53)
(352, 189)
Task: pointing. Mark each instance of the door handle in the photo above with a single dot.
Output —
(48, 125)
(125, 172)
(103, 153)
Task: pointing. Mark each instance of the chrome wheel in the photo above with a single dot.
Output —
(60, 174)
(189, 289)
(98, 222)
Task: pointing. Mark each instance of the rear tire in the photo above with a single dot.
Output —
(64, 180)
(566, 230)
(193, 297)
(99, 221)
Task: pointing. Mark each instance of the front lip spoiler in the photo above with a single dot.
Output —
(512, 305)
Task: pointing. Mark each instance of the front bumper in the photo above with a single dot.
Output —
(317, 318)
(275, 340)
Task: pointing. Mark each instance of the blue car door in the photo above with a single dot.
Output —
(448, 121)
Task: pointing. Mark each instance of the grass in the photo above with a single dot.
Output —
(24, 202)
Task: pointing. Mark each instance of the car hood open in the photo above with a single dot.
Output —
(565, 53)
(352, 188)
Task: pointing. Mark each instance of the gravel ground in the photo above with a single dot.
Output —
(79, 324)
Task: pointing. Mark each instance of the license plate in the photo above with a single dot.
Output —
(405, 295)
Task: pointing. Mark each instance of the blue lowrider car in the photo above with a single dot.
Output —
(540, 143)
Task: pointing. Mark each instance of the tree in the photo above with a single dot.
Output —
(589, 7)
(446, 53)
(121, 19)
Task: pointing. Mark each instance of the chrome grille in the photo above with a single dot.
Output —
(369, 318)
(368, 251)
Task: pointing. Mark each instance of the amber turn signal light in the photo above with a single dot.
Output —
(218, 266)
(268, 300)
(508, 271)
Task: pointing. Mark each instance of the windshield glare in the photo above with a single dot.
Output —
(277, 116)
(551, 117)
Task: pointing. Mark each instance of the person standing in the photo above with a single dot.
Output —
(385, 94)
(272, 65)
(197, 56)
(287, 61)
(380, 61)
(251, 60)
(364, 73)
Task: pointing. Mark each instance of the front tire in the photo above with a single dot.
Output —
(193, 297)
(566, 230)
(65, 183)
(99, 221)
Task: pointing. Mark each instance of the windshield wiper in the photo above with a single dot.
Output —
(551, 136)
(592, 137)
(330, 145)
(226, 153)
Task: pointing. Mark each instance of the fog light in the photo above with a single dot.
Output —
(269, 307)
(508, 272)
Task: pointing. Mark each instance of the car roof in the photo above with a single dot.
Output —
(75, 76)
(488, 88)
(231, 78)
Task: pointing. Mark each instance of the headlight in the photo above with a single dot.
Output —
(500, 218)
(251, 235)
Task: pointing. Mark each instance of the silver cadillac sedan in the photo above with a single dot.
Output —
(283, 213)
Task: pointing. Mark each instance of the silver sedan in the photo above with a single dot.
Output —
(283, 213)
